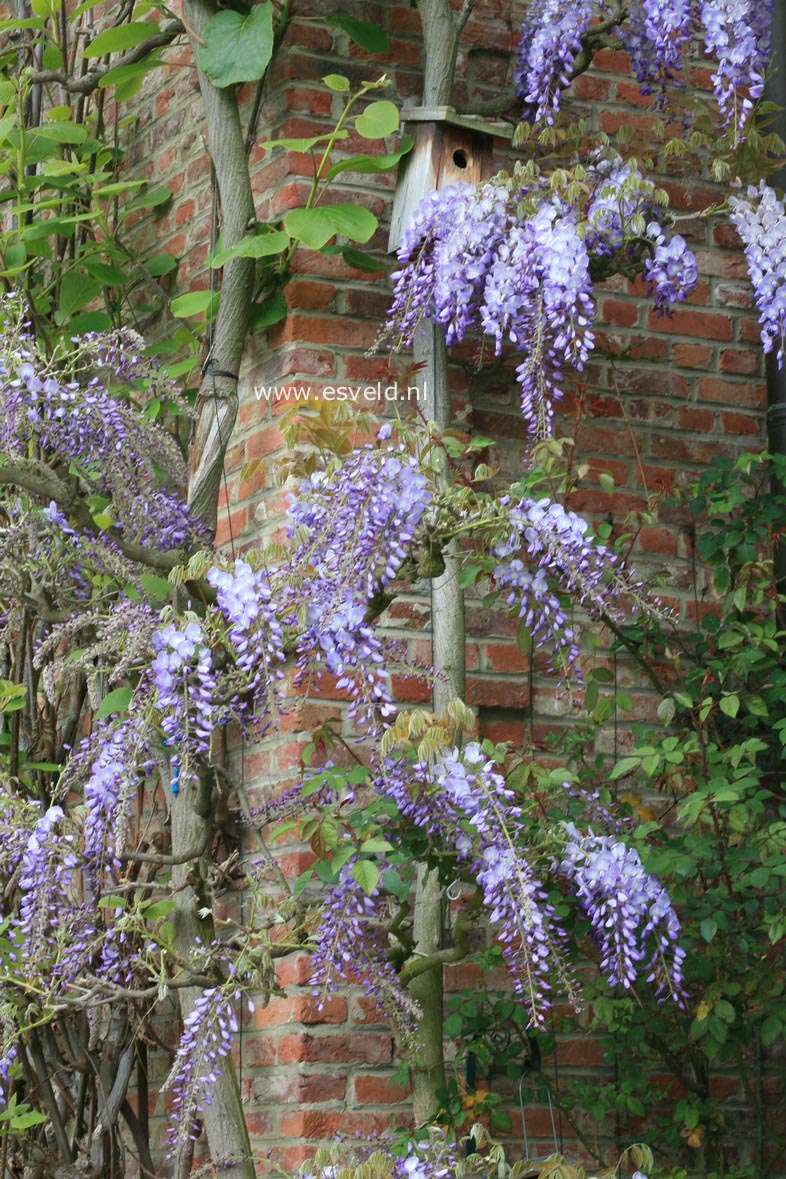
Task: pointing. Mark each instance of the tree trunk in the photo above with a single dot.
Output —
(217, 400)
(224, 1120)
(447, 613)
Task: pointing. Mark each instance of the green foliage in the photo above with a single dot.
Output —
(237, 47)
(705, 796)
(64, 239)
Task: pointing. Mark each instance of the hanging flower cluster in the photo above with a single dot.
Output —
(631, 914)
(559, 549)
(550, 42)
(66, 408)
(488, 259)
(352, 529)
(207, 1038)
(737, 34)
(656, 35)
(463, 801)
(346, 948)
(760, 220)
(469, 261)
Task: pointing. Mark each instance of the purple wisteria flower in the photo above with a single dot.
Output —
(760, 220)
(83, 425)
(549, 44)
(345, 948)
(46, 879)
(737, 33)
(671, 273)
(352, 530)
(656, 34)
(471, 261)
(557, 547)
(182, 673)
(631, 914)
(465, 803)
(206, 1038)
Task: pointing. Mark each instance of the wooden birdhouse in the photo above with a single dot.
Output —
(447, 149)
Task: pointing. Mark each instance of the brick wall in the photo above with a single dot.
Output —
(662, 397)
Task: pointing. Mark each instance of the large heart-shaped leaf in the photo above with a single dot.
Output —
(315, 227)
(237, 48)
(378, 120)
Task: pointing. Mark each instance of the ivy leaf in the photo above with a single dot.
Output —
(315, 227)
(378, 120)
(237, 48)
(123, 37)
(368, 36)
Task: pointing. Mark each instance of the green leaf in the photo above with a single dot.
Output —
(375, 844)
(337, 82)
(158, 909)
(368, 36)
(269, 312)
(771, 1029)
(237, 48)
(157, 588)
(129, 78)
(112, 903)
(255, 245)
(301, 882)
(90, 321)
(105, 272)
(315, 227)
(729, 705)
(708, 929)
(160, 264)
(306, 144)
(624, 767)
(75, 291)
(121, 38)
(60, 132)
(194, 303)
(24, 1121)
(666, 710)
(452, 1026)
(366, 873)
(150, 199)
(117, 701)
(378, 120)
(370, 164)
(360, 260)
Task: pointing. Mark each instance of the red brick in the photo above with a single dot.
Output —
(692, 323)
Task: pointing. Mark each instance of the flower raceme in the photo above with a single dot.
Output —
(656, 34)
(463, 801)
(760, 219)
(559, 549)
(472, 259)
